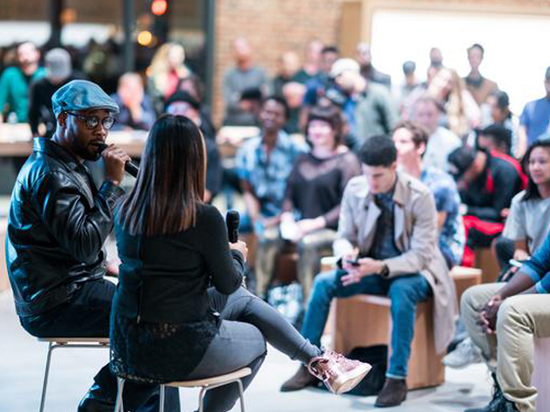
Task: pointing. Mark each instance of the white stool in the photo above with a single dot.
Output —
(205, 385)
(65, 343)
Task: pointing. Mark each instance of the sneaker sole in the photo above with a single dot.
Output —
(349, 381)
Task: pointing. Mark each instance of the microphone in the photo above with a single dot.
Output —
(232, 221)
(131, 168)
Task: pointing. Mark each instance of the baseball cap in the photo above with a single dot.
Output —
(82, 95)
(342, 65)
(58, 63)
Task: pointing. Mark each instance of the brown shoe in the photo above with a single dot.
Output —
(301, 379)
(338, 373)
(392, 394)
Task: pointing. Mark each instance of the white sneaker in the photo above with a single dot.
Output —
(465, 354)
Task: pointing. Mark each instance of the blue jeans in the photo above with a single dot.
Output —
(404, 292)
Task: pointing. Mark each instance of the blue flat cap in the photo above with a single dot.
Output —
(82, 95)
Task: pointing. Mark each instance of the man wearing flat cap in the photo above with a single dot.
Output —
(58, 223)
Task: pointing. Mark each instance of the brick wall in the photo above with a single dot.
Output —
(271, 26)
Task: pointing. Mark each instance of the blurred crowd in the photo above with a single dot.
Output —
(487, 169)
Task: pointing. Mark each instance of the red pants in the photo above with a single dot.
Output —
(479, 233)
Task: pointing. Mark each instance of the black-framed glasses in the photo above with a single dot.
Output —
(93, 121)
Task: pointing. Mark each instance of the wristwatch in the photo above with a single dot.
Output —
(385, 271)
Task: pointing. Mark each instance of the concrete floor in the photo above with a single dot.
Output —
(22, 361)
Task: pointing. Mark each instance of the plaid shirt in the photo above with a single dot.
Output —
(267, 173)
(447, 199)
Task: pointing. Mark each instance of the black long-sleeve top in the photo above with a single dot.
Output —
(492, 191)
(164, 278)
(315, 186)
(161, 320)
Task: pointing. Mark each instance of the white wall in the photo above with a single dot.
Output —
(517, 50)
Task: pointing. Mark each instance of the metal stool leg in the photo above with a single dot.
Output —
(204, 389)
(119, 406)
(241, 394)
(46, 376)
(161, 398)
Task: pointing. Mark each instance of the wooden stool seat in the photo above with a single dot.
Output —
(464, 278)
(216, 380)
(66, 343)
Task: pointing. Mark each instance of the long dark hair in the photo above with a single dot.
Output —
(171, 180)
(532, 191)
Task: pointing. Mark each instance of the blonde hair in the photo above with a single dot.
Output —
(159, 69)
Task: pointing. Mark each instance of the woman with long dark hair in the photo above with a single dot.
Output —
(167, 323)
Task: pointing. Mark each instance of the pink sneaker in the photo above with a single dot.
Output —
(338, 373)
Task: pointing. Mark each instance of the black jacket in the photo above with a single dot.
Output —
(57, 226)
(492, 190)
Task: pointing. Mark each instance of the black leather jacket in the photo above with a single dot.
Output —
(57, 226)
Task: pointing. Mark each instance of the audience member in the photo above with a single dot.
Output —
(250, 106)
(288, 66)
(500, 114)
(314, 192)
(317, 85)
(528, 222)
(441, 141)
(535, 118)
(183, 104)
(264, 164)
(364, 57)
(411, 141)
(244, 75)
(312, 63)
(166, 71)
(195, 87)
(502, 319)
(15, 82)
(410, 82)
(345, 91)
(59, 72)
(387, 245)
(479, 87)
(486, 185)
(136, 108)
(436, 57)
(496, 139)
(294, 93)
(376, 112)
(462, 113)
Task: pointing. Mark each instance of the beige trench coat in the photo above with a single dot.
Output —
(416, 236)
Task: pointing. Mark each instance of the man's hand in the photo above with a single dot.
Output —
(367, 267)
(488, 315)
(114, 158)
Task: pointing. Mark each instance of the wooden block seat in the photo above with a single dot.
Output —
(364, 320)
